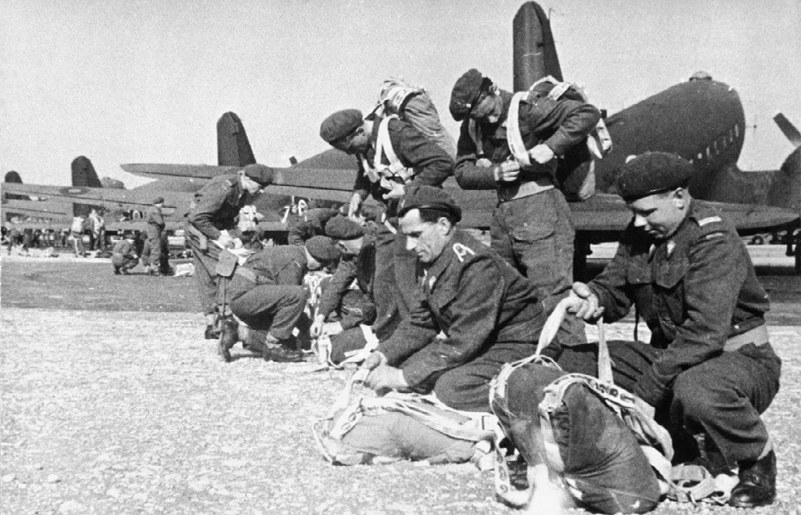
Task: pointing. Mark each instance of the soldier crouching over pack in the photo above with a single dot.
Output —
(267, 294)
(690, 278)
(212, 215)
(488, 314)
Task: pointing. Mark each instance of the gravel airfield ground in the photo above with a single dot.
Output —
(113, 403)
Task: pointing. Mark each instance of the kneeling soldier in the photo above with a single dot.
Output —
(486, 312)
(690, 278)
(266, 293)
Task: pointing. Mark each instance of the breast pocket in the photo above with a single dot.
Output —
(670, 273)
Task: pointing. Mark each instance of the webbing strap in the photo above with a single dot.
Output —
(396, 169)
(513, 137)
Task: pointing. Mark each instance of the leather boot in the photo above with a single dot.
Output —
(229, 335)
(757, 486)
(282, 351)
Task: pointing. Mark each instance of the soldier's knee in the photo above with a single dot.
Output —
(458, 391)
(696, 398)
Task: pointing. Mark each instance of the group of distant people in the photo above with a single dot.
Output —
(154, 253)
(440, 312)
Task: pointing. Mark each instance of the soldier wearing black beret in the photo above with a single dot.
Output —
(488, 313)
(267, 294)
(526, 148)
(210, 225)
(390, 153)
(688, 274)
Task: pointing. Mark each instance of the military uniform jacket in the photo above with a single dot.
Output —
(476, 299)
(155, 222)
(431, 164)
(283, 265)
(561, 124)
(360, 267)
(694, 290)
(217, 205)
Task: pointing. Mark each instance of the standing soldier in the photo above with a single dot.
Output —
(97, 225)
(76, 231)
(155, 228)
(390, 154)
(211, 217)
(531, 228)
(689, 276)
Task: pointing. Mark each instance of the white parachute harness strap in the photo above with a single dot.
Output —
(395, 170)
(513, 136)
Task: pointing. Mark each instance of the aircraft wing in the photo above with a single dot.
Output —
(607, 214)
(109, 198)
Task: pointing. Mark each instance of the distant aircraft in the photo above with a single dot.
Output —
(701, 120)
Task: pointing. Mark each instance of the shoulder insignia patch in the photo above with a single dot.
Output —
(461, 251)
(708, 220)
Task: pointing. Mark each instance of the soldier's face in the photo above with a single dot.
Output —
(488, 108)
(660, 214)
(426, 239)
(356, 143)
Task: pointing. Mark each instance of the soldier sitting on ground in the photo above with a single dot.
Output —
(485, 312)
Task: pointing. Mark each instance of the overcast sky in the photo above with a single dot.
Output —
(145, 80)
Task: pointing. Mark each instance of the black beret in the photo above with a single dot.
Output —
(158, 200)
(343, 228)
(465, 93)
(653, 172)
(429, 197)
(322, 248)
(340, 124)
(260, 173)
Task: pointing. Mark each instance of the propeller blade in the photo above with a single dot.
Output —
(788, 129)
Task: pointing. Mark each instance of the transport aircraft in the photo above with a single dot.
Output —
(701, 120)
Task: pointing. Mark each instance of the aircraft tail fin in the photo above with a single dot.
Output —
(785, 190)
(84, 175)
(534, 48)
(233, 147)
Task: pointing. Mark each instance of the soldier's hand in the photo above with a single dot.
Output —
(506, 171)
(583, 302)
(384, 378)
(483, 163)
(541, 153)
(332, 328)
(223, 240)
(398, 190)
(374, 360)
(355, 204)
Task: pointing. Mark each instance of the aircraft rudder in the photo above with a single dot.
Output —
(534, 50)
(233, 146)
